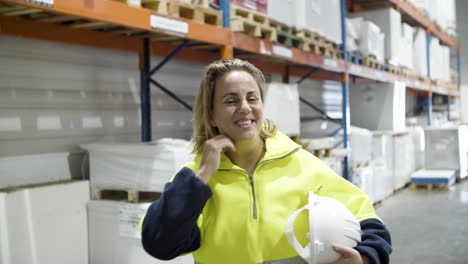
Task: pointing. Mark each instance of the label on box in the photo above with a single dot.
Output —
(47, 3)
(282, 51)
(129, 219)
(172, 25)
(331, 63)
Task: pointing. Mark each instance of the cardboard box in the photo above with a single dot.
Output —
(114, 235)
(44, 224)
(378, 106)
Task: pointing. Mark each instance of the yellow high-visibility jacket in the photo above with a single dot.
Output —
(241, 217)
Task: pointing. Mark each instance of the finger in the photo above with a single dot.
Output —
(345, 252)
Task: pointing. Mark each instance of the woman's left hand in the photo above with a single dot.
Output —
(349, 256)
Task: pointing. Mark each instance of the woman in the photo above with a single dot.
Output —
(230, 205)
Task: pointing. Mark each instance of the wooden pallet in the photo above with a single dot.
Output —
(160, 6)
(248, 14)
(393, 69)
(372, 62)
(253, 29)
(195, 12)
(356, 58)
(408, 73)
(430, 186)
(322, 153)
(131, 196)
(135, 3)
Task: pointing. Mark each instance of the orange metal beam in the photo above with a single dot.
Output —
(121, 14)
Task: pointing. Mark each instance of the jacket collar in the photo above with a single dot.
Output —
(277, 146)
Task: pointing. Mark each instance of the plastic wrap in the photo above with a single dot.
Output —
(378, 106)
(364, 179)
(420, 52)
(44, 224)
(371, 40)
(114, 235)
(403, 159)
(360, 140)
(286, 117)
(138, 166)
(407, 40)
(382, 164)
(34, 169)
(447, 148)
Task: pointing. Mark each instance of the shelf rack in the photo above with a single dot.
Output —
(113, 25)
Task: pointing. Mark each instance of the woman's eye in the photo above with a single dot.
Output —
(253, 99)
(231, 101)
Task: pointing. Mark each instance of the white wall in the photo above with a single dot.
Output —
(54, 97)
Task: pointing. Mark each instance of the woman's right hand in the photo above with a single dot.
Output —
(212, 156)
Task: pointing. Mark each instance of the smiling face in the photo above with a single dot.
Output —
(237, 106)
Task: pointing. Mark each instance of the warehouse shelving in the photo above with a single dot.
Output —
(113, 25)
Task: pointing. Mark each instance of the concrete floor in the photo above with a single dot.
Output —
(428, 227)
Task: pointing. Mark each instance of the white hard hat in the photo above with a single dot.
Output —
(330, 222)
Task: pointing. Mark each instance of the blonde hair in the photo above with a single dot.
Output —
(204, 101)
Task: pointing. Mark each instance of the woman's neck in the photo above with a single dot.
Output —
(248, 153)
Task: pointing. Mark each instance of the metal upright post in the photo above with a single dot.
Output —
(224, 6)
(429, 94)
(344, 92)
(448, 108)
(145, 94)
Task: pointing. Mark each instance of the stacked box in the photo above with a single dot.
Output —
(256, 5)
(44, 224)
(360, 141)
(137, 166)
(447, 149)
(34, 169)
(382, 164)
(364, 179)
(286, 117)
(389, 22)
(403, 159)
(407, 40)
(378, 106)
(114, 235)
(420, 52)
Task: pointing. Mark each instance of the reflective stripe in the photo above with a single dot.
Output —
(295, 260)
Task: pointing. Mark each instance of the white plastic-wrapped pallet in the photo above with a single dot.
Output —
(403, 159)
(360, 140)
(389, 22)
(406, 49)
(34, 169)
(420, 52)
(114, 234)
(44, 224)
(364, 179)
(138, 166)
(371, 40)
(382, 164)
(378, 106)
(286, 117)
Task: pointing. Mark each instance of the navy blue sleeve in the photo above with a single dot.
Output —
(169, 228)
(375, 242)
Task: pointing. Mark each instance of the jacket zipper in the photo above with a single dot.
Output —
(251, 178)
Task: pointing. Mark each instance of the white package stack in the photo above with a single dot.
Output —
(420, 52)
(389, 22)
(403, 160)
(34, 169)
(382, 165)
(407, 46)
(285, 11)
(371, 40)
(138, 166)
(360, 140)
(417, 135)
(378, 106)
(439, 61)
(363, 178)
(447, 149)
(114, 235)
(286, 117)
(331, 17)
(44, 224)
(352, 34)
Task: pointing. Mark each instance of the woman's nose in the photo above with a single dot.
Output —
(245, 107)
